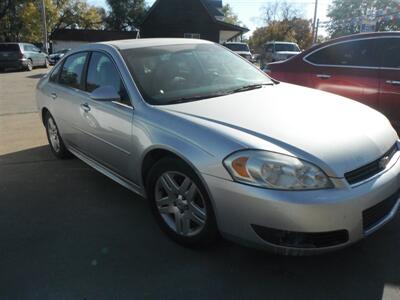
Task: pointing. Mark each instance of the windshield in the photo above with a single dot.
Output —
(238, 47)
(286, 47)
(189, 72)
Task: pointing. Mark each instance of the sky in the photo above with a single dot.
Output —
(249, 10)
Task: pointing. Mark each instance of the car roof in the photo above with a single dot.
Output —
(236, 43)
(142, 43)
(364, 35)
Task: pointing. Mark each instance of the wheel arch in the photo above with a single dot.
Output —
(157, 153)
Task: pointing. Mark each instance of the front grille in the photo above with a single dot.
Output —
(301, 239)
(370, 169)
(373, 215)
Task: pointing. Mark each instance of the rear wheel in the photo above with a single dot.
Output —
(55, 141)
(181, 204)
(46, 63)
(29, 65)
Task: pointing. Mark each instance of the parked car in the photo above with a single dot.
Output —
(363, 67)
(217, 147)
(21, 56)
(278, 51)
(240, 48)
(56, 56)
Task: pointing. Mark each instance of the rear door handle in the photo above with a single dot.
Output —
(54, 96)
(85, 107)
(394, 82)
(324, 76)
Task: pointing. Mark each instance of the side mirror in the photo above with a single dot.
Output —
(105, 93)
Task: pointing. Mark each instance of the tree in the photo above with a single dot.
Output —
(125, 14)
(230, 16)
(23, 21)
(283, 22)
(345, 15)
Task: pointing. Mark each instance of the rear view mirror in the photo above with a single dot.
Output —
(105, 93)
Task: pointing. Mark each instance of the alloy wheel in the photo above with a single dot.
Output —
(53, 135)
(180, 203)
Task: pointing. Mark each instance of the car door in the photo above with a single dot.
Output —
(28, 53)
(108, 124)
(40, 56)
(69, 97)
(389, 96)
(348, 68)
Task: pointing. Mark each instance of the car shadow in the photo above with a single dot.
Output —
(36, 76)
(68, 230)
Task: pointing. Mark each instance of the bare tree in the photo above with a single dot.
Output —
(279, 10)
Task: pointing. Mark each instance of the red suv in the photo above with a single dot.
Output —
(364, 67)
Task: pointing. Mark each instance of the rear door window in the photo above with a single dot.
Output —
(72, 70)
(391, 53)
(355, 53)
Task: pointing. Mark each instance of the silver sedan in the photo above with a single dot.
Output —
(220, 149)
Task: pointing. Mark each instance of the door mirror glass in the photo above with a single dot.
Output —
(105, 93)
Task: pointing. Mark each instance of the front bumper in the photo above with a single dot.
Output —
(239, 208)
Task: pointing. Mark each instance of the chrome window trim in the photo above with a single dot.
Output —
(349, 66)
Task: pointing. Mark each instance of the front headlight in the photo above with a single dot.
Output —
(275, 171)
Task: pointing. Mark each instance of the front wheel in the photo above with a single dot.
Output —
(181, 204)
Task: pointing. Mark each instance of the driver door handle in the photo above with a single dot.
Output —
(324, 76)
(85, 107)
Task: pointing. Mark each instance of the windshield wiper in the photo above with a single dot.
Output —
(249, 87)
(195, 98)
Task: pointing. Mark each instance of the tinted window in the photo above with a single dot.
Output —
(391, 53)
(286, 47)
(71, 73)
(238, 47)
(357, 53)
(9, 47)
(54, 74)
(102, 72)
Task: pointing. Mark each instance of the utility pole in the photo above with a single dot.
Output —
(316, 32)
(44, 26)
(315, 19)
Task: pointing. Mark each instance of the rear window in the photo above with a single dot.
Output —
(9, 47)
(286, 47)
(237, 47)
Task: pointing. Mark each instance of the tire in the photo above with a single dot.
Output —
(29, 65)
(183, 209)
(56, 143)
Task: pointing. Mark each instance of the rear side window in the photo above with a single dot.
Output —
(72, 69)
(102, 72)
(391, 53)
(356, 53)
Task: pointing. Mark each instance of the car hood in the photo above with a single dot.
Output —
(288, 52)
(331, 131)
(243, 52)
